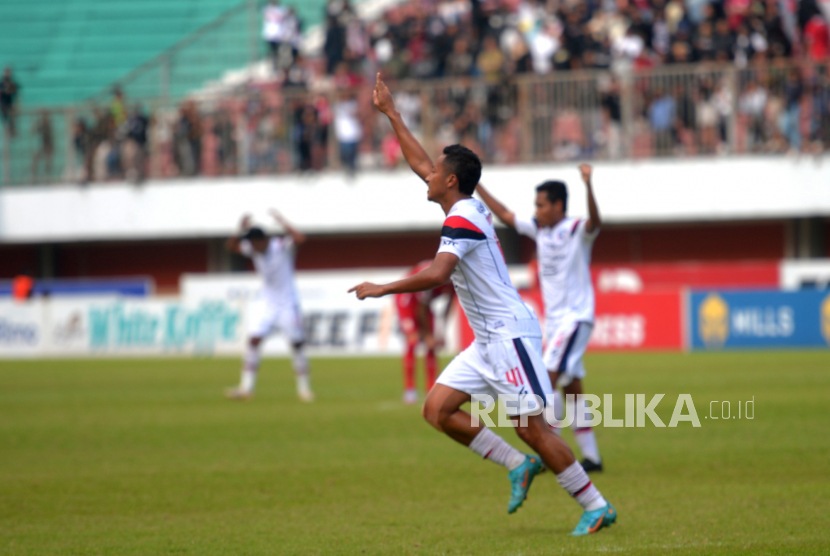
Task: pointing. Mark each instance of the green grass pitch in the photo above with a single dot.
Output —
(145, 457)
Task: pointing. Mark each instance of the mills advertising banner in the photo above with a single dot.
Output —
(759, 319)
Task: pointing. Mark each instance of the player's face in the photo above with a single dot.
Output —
(547, 213)
(437, 180)
(260, 245)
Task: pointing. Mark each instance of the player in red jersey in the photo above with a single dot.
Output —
(418, 326)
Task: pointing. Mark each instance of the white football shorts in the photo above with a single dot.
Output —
(267, 318)
(512, 367)
(566, 346)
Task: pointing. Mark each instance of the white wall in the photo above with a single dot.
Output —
(706, 189)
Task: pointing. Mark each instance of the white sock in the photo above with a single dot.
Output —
(250, 367)
(248, 381)
(301, 371)
(491, 446)
(576, 482)
(585, 435)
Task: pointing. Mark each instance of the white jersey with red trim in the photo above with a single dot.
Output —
(564, 253)
(276, 267)
(492, 305)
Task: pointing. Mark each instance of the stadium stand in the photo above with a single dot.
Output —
(66, 51)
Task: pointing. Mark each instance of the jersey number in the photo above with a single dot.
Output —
(514, 377)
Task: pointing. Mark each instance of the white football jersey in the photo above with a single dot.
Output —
(492, 305)
(276, 267)
(564, 256)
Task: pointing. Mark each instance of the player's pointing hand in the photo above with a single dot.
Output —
(382, 97)
(367, 289)
(585, 170)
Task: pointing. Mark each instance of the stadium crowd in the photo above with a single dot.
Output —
(655, 78)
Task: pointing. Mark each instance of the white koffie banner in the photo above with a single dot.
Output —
(21, 328)
(118, 326)
(209, 317)
(335, 322)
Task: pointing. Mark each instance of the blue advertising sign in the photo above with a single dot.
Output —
(759, 319)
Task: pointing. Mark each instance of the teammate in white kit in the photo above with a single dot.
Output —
(564, 255)
(506, 355)
(278, 308)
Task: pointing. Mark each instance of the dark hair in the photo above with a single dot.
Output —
(254, 233)
(556, 191)
(466, 166)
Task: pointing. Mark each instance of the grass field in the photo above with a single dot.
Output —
(144, 457)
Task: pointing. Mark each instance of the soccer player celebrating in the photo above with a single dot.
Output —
(505, 358)
(279, 306)
(418, 325)
(564, 252)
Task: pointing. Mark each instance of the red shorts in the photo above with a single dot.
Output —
(407, 305)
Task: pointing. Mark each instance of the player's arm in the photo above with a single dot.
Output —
(415, 155)
(502, 212)
(298, 237)
(232, 244)
(431, 277)
(594, 221)
(422, 316)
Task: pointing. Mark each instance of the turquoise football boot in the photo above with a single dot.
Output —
(591, 522)
(520, 479)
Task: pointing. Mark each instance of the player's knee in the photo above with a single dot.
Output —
(432, 414)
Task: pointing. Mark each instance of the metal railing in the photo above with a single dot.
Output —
(691, 110)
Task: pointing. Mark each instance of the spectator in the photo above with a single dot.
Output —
(460, 61)
(821, 108)
(543, 48)
(751, 105)
(723, 42)
(723, 104)
(817, 39)
(278, 31)
(613, 119)
(661, 117)
(83, 143)
(225, 132)
(118, 106)
(46, 150)
(188, 139)
(790, 120)
(348, 129)
(490, 62)
(685, 119)
(9, 89)
(707, 120)
(307, 135)
(338, 13)
(135, 145)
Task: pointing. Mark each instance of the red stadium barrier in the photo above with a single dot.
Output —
(650, 321)
(644, 277)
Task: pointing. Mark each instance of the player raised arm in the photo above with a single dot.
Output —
(431, 277)
(414, 153)
(594, 220)
(232, 244)
(502, 213)
(298, 237)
